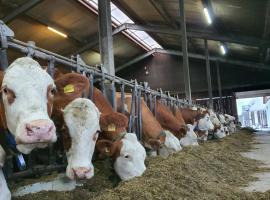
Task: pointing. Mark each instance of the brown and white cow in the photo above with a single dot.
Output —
(4, 191)
(123, 147)
(200, 120)
(168, 121)
(154, 136)
(26, 104)
(190, 139)
(127, 152)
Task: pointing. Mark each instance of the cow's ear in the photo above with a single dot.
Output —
(154, 143)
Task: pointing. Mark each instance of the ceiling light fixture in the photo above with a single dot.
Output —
(207, 15)
(57, 32)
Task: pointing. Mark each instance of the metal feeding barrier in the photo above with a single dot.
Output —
(108, 84)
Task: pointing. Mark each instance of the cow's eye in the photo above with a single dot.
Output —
(53, 91)
(5, 90)
(126, 156)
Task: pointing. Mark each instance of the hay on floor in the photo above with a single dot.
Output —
(213, 170)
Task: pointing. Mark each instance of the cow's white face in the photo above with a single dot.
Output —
(171, 145)
(190, 138)
(214, 119)
(27, 93)
(220, 133)
(130, 162)
(222, 119)
(229, 118)
(205, 123)
(82, 119)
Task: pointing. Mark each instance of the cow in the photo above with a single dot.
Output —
(113, 141)
(26, 104)
(153, 135)
(81, 118)
(201, 121)
(4, 191)
(219, 131)
(230, 123)
(190, 139)
(168, 121)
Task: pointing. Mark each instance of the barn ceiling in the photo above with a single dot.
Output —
(231, 18)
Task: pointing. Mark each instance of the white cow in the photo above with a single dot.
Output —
(190, 138)
(4, 191)
(27, 93)
(219, 129)
(81, 117)
(230, 121)
(204, 124)
(130, 162)
(171, 145)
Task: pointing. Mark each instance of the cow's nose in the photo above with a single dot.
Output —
(38, 127)
(81, 172)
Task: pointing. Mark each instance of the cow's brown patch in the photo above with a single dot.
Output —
(109, 148)
(117, 119)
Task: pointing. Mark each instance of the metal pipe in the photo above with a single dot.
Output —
(185, 51)
(219, 87)
(208, 73)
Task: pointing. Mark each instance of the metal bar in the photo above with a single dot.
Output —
(21, 9)
(219, 86)
(91, 92)
(122, 88)
(255, 65)
(139, 116)
(201, 34)
(46, 55)
(185, 51)
(134, 60)
(208, 73)
(105, 35)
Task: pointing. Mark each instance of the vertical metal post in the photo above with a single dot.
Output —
(122, 88)
(105, 35)
(208, 73)
(185, 51)
(219, 87)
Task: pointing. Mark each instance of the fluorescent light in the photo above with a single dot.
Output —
(206, 13)
(57, 32)
(223, 49)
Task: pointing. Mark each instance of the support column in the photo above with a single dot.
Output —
(208, 73)
(219, 87)
(185, 51)
(105, 36)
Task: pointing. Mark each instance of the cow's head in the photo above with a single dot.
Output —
(214, 119)
(128, 154)
(190, 138)
(171, 145)
(81, 118)
(27, 94)
(222, 119)
(205, 124)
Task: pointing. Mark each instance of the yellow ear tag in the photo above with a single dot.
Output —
(111, 127)
(69, 88)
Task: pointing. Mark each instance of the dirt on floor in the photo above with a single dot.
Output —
(213, 170)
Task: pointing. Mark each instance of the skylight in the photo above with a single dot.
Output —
(118, 18)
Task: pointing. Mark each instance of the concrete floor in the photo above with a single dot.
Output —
(260, 152)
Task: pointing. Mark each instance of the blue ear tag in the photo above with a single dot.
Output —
(18, 157)
(20, 162)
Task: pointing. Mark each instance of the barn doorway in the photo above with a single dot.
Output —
(253, 109)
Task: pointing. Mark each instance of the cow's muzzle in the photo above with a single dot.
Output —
(37, 131)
